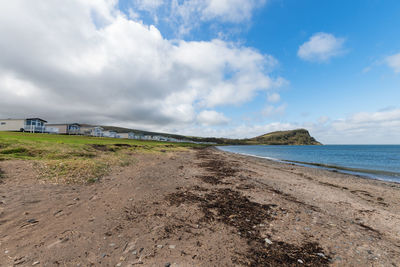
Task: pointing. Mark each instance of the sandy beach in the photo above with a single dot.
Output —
(200, 207)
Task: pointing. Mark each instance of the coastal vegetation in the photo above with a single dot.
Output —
(293, 137)
(76, 159)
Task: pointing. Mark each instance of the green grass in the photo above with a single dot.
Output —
(77, 159)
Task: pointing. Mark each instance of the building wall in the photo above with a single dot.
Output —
(11, 125)
(62, 128)
(86, 130)
(124, 135)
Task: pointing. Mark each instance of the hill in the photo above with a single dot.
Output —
(292, 137)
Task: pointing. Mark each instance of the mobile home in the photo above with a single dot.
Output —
(34, 125)
(65, 128)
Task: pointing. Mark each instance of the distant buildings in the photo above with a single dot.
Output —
(37, 125)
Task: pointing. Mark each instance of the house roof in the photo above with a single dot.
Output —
(55, 124)
(11, 119)
(36, 119)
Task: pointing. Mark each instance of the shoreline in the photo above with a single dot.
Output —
(200, 207)
(361, 173)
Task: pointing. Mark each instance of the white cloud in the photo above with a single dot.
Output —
(234, 11)
(323, 119)
(381, 127)
(271, 110)
(188, 14)
(88, 62)
(321, 47)
(148, 5)
(211, 118)
(393, 61)
(238, 131)
(274, 97)
(230, 10)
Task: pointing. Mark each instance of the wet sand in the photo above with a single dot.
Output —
(200, 208)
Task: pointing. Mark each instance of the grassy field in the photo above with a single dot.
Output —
(76, 159)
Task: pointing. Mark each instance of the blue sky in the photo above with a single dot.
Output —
(233, 68)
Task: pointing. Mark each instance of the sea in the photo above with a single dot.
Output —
(380, 162)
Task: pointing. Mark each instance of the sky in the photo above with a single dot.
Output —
(225, 68)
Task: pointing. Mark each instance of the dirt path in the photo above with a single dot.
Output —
(199, 208)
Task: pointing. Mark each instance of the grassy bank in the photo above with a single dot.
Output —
(76, 159)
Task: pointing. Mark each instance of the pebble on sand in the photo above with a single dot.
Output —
(267, 241)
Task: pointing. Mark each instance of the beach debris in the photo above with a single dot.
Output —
(267, 241)
(57, 212)
(19, 260)
(130, 247)
(232, 208)
(32, 221)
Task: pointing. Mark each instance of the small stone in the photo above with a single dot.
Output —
(172, 246)
(134, 252)
(300, 261)
(6, 252)
(167, 264)
(35, 263)
(307, 228)
(159, 246)
(118, 265)
(267, 241)
(76, 199)
(112, 244)
(321, 255)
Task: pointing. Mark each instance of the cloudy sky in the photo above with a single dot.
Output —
(232, 68)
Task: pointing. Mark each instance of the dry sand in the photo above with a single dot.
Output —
(199, 208)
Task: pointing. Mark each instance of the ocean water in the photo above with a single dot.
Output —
(372, 161)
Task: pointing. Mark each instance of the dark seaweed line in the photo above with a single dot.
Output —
(232, 208)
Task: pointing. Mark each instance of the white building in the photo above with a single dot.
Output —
(33, 125)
